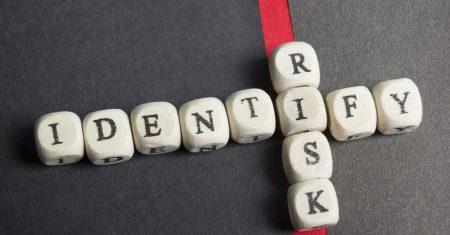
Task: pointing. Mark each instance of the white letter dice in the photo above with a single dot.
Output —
(313, 203)
(156, 128)
(251, 116)
(294, 64)
(301, 109)
(108, 137)
(307, 156)
(352, 113)
(59, 138)
(204, 125)
(399, 106)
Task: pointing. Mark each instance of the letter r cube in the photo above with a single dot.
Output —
(294, 64)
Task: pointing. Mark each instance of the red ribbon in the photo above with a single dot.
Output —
(276, 23)
(316, 231)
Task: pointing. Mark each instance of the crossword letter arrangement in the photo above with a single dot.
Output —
(206, 124)
(393, 106)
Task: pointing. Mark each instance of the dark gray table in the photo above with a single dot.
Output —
(83, 57)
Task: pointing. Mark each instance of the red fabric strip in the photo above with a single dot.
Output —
(276, 23)
(316, 231)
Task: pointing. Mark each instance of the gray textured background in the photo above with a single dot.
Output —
(387, 184)
(92, 55)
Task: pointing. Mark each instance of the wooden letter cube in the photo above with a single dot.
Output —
(107, 136)
(59, 138)
(307, 156)
(294, 64)
(251, 116)
(156, 128)
(301, 109)
(399, 106)
(352, 113)
(204, 125)
(313, 203)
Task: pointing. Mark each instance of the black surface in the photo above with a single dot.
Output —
(83, 57)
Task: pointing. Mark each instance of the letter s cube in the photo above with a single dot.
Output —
(307, 156)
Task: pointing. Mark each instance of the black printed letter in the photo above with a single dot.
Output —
(250, 104)
(403, 129)
(199, 119)
(354, 136)
(401, 102)
(314, 204)
(101, 135)
(159, 149)
(148, 132)
(55, 134)
(311, 153)
(298, 63)
(112, 159)
(299, 109)
(207, 149)
(348, 105)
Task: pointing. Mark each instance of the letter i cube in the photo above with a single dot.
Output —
(301, 109)
(59, 138)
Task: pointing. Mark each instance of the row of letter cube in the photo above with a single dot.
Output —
(202, 125)
(393, 107)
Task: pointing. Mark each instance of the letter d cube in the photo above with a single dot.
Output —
(107, 136)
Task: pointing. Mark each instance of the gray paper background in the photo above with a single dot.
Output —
(92, 55)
